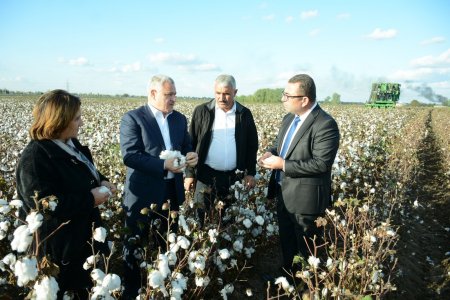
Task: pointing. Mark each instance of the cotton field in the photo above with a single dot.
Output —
(390, 190)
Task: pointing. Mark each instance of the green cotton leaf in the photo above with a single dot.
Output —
(368, 297)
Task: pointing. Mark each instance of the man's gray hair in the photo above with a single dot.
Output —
(226, 80)
(157, 81)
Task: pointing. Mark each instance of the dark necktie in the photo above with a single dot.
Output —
(287, 142)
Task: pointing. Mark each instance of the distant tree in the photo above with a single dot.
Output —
(415, 103)
(125, 95)
(327, 99)
(335, 98)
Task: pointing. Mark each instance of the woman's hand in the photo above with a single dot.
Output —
(99, 197)
(109, 185)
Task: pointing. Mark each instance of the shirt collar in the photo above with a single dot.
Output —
(157, 113)
(232, 110)
(306, 113)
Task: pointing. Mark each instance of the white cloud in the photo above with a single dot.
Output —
(201, 67)
(80, 61)
(343, 16)
(173, 58)
(314, 32)
(269, 17)
(134, 67)
(309, 14)
(289, 19)
(263, 5)
(432, 61)
(414, 74)
(426, 67)
(379, 34)
(159, 40)
(184, 62)
(15, 79)
(433, 40)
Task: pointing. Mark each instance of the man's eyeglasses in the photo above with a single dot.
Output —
(285, 97)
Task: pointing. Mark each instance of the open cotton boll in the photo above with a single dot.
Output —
(111, 282)
(34, 220)
(45, 289)
(168, 154)
(269, 159)
(25, 270)
(103, 189)
(100, 234)
(97, 275)
(22, 238)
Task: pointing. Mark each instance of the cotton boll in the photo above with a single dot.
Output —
(45, 289)
(183, 242)
(259, 220)
(111, 282)
(97, 275)
(247, 223)
(237, 246)
(16, 203)
(25, 270)
(9, 260)
(100, 234)
(90, 262)
(22, 239)
(224, 253)
(163, 265)
(172, 237)
(34, 220)
(155, 279)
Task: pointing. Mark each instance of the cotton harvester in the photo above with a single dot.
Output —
(384, 95)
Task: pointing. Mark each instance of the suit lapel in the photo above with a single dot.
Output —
(152, 125)
(303, 128)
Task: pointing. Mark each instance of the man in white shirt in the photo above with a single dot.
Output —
(224, 135)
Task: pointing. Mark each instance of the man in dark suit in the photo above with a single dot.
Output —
(144, 133)
(224, 136)
(301, 160)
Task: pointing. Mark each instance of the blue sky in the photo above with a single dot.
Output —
(114, 47)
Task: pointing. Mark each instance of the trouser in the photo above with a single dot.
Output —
(140, 225)
(296, 232)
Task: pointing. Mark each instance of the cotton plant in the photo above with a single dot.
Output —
(105, 285)
(31, 271)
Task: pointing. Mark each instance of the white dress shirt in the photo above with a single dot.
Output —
(222, 150)
(163, 124)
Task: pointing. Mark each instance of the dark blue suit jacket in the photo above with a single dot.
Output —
(141, 143)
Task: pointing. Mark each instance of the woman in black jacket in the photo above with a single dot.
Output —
(55, 163)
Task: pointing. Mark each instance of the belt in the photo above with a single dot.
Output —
(229, 172)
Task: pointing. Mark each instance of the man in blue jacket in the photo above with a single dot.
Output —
(144, 133)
